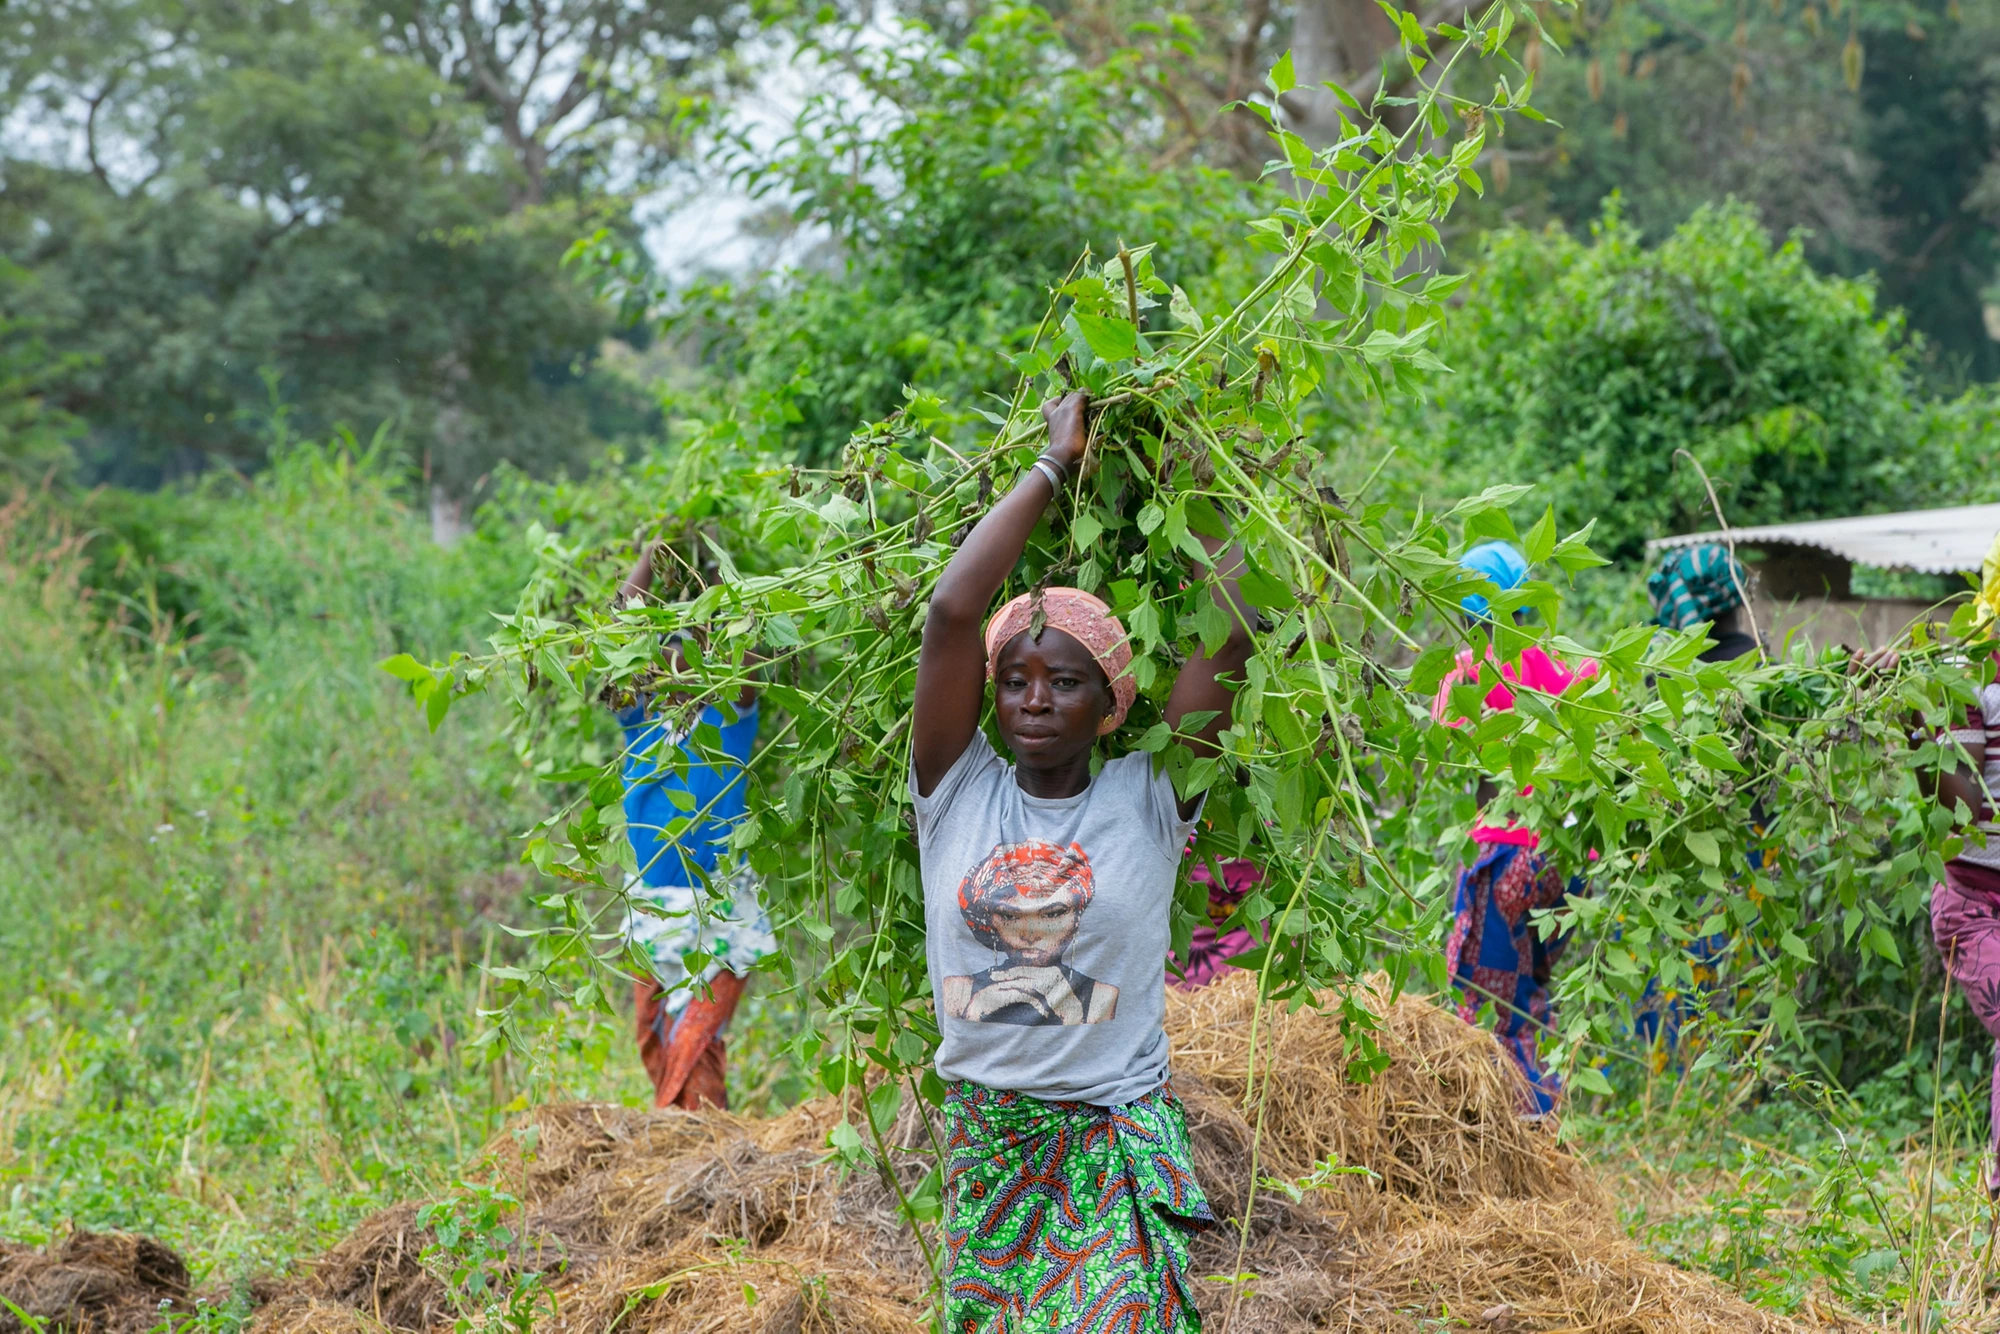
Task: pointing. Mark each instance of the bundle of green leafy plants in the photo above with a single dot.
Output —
(1334, 775)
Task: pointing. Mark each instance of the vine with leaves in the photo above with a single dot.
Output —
(811, 586)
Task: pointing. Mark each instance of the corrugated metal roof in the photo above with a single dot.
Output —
(1946, 541)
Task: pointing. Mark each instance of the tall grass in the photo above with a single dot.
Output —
(244, 894)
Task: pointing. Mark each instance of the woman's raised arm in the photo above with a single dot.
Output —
(951, 669)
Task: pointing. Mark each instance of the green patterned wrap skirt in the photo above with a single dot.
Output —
(1068, 1216)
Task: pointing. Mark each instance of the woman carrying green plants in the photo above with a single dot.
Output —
(1965, 908)
(696, 919)
(1496, 954)
(1070, 1193)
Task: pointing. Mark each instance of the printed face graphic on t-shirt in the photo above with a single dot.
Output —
(1024, 902)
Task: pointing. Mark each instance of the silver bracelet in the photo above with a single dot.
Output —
(1047, 468)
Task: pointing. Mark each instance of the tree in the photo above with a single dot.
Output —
(1589, 365)
(34, 438)
(1869, 123)
(268, 191)
(1930, 97)
(579, 91)
(957, 185)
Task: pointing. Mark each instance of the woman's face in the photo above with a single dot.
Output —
(1035, 932)
(1049, 696)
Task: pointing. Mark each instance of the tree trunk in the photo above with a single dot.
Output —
(448, 525)
(1337, 41)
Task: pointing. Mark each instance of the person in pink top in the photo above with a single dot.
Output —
(1494, 954)
(1965, 907)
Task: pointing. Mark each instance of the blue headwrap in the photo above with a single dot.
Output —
(1498, 561)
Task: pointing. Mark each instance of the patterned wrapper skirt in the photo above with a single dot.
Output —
(1495, 956)
(1068, 1216)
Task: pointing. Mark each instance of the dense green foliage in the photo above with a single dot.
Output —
(954, 185)
(1871, 124)
(270, 194)
(1587, 364)
(243, 891)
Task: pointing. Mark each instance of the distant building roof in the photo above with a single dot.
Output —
(1946, 541)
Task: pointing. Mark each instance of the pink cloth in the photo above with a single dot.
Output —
(1083, 618)
(1965, 924)
(1536, 671)
(1211, 949)
(1512, 835)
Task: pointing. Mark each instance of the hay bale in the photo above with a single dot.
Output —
(378, 1271)
(1545, 1265)
(93, 1283)
(670, 1222)
(1441, 1126)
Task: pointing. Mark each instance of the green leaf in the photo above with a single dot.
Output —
(1493, 497)
(845, 1140)
(1110, 338)
(1262, 591)
(1202, 518)
(1573, 553)
(1540, 543)
(1795, 947)
(1213, 625)
(1591, 1080)
(435, 708)
(1481, 524)
(1282, 80)
(1785, 1015)
(1714, 752)
(1086, 529)
(1703, 845)
(1431, 667)
(405, 668)
(1183, 310)
(883, 1102)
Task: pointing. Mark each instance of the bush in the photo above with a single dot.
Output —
(1589, 365)
(1000, 161)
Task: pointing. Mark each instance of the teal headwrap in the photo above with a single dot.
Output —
(1696, 584)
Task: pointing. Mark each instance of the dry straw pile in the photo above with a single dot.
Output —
(661, 1219)
(670, 1223)
(91, 1282)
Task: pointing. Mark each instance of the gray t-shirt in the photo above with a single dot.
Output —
(1048, 927)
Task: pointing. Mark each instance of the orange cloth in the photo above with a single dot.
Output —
(684, 1053)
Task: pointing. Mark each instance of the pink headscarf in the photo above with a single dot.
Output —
(1084, 619)
(1539, 672)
